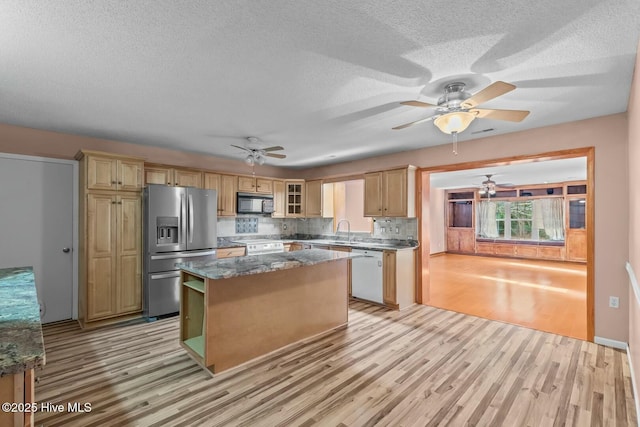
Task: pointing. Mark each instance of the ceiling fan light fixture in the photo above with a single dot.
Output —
(260, 160)
(457, 121)
(249, 160)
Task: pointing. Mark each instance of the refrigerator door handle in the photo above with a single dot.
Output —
(183, 216)
(165, 275)
(190, 218)
(183, 255)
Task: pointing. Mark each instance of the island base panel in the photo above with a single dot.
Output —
(249, 316)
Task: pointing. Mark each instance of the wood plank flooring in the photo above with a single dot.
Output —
(549, 296)
(420, 367)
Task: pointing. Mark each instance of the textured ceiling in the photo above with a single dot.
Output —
(321, 78)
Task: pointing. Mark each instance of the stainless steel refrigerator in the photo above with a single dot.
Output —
(179, 225)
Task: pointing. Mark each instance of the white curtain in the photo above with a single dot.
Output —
(487, 225)
(548, 215)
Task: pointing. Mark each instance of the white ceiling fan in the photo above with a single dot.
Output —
(456, 108)
(257, 155)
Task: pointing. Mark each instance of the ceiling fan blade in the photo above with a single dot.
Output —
(277, 156)
(242, 148)
(418, 104)
(274, 148)
(492, 91)
(406, 125)
(508, 115)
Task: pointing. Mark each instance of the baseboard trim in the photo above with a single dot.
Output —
(437, 254)
(633, 382)
(610, 343)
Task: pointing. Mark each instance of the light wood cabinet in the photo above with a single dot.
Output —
(313, 198)
(294, 196)
(230, 252)
(390, 193)
(576, 241)
(114, 255)
(398, 279)
(112, 173)
(461, 240)
(249, 184)
(279, 199)
(110, 267)
(18, 388)
(175, 177)
(225, 185)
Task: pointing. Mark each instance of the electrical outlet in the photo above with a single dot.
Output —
(397, 230)
(383, 229)
(614, 302)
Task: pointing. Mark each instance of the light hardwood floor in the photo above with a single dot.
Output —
(545, 295)
(420, 367)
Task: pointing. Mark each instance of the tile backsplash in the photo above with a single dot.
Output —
(383, 228)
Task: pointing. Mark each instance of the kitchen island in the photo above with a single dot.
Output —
(237, 309)
(21, 343)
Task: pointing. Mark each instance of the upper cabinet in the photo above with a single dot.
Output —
(225, 185)
(103, 171)
(249, 184)
(279, 199)
(294, 195)
(390, 193)
(313, 198)
(176, 177)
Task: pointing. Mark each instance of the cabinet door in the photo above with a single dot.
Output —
(576, 244)
(129, 229)
(246, 184)
(101, 253)
(264, 186)
(187, 178)
(389, 278)
(227, 195)
(313, 198)
(153, 175)
(394, 192)
(130, 175)
(373, 194)
(294, 199)
(278, 199)
(101, 173)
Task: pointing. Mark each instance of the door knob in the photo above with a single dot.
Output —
(66, 250)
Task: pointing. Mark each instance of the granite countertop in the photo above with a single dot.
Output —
(380, 245)
(21, 343)
(255, 264)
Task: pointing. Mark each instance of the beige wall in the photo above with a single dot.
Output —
(437, 236)
(634, 215)
(609, 136)
(33, 142)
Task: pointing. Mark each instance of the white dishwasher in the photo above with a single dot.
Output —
(366, 275)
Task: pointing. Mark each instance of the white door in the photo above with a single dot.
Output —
(37, 227)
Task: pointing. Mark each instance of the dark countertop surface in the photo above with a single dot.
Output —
(369, 244)
(256, 264)
(21, 343)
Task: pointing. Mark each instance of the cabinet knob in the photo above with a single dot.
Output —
(113, 182)
(175, 183)
(168, 183)
(119, 182)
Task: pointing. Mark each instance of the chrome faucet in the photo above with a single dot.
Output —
(348, 229)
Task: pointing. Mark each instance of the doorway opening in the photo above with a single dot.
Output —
(511, 240)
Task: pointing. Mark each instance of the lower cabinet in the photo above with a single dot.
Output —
(193, 316)
(398, 284)
(18, 389)
(230, 252)
(514, 250)
(461, 240)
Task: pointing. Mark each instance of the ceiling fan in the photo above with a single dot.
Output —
(456, 108)
(489, 186)
(257, 155)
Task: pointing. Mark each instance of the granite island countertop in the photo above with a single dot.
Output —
(21, 343)
(256, 264)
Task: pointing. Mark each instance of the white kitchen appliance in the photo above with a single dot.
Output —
(366, 275)
(262, 246)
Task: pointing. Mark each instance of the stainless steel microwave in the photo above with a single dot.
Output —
(250, 203)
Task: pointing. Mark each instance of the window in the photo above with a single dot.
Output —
(534, 219)
(348, 203)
